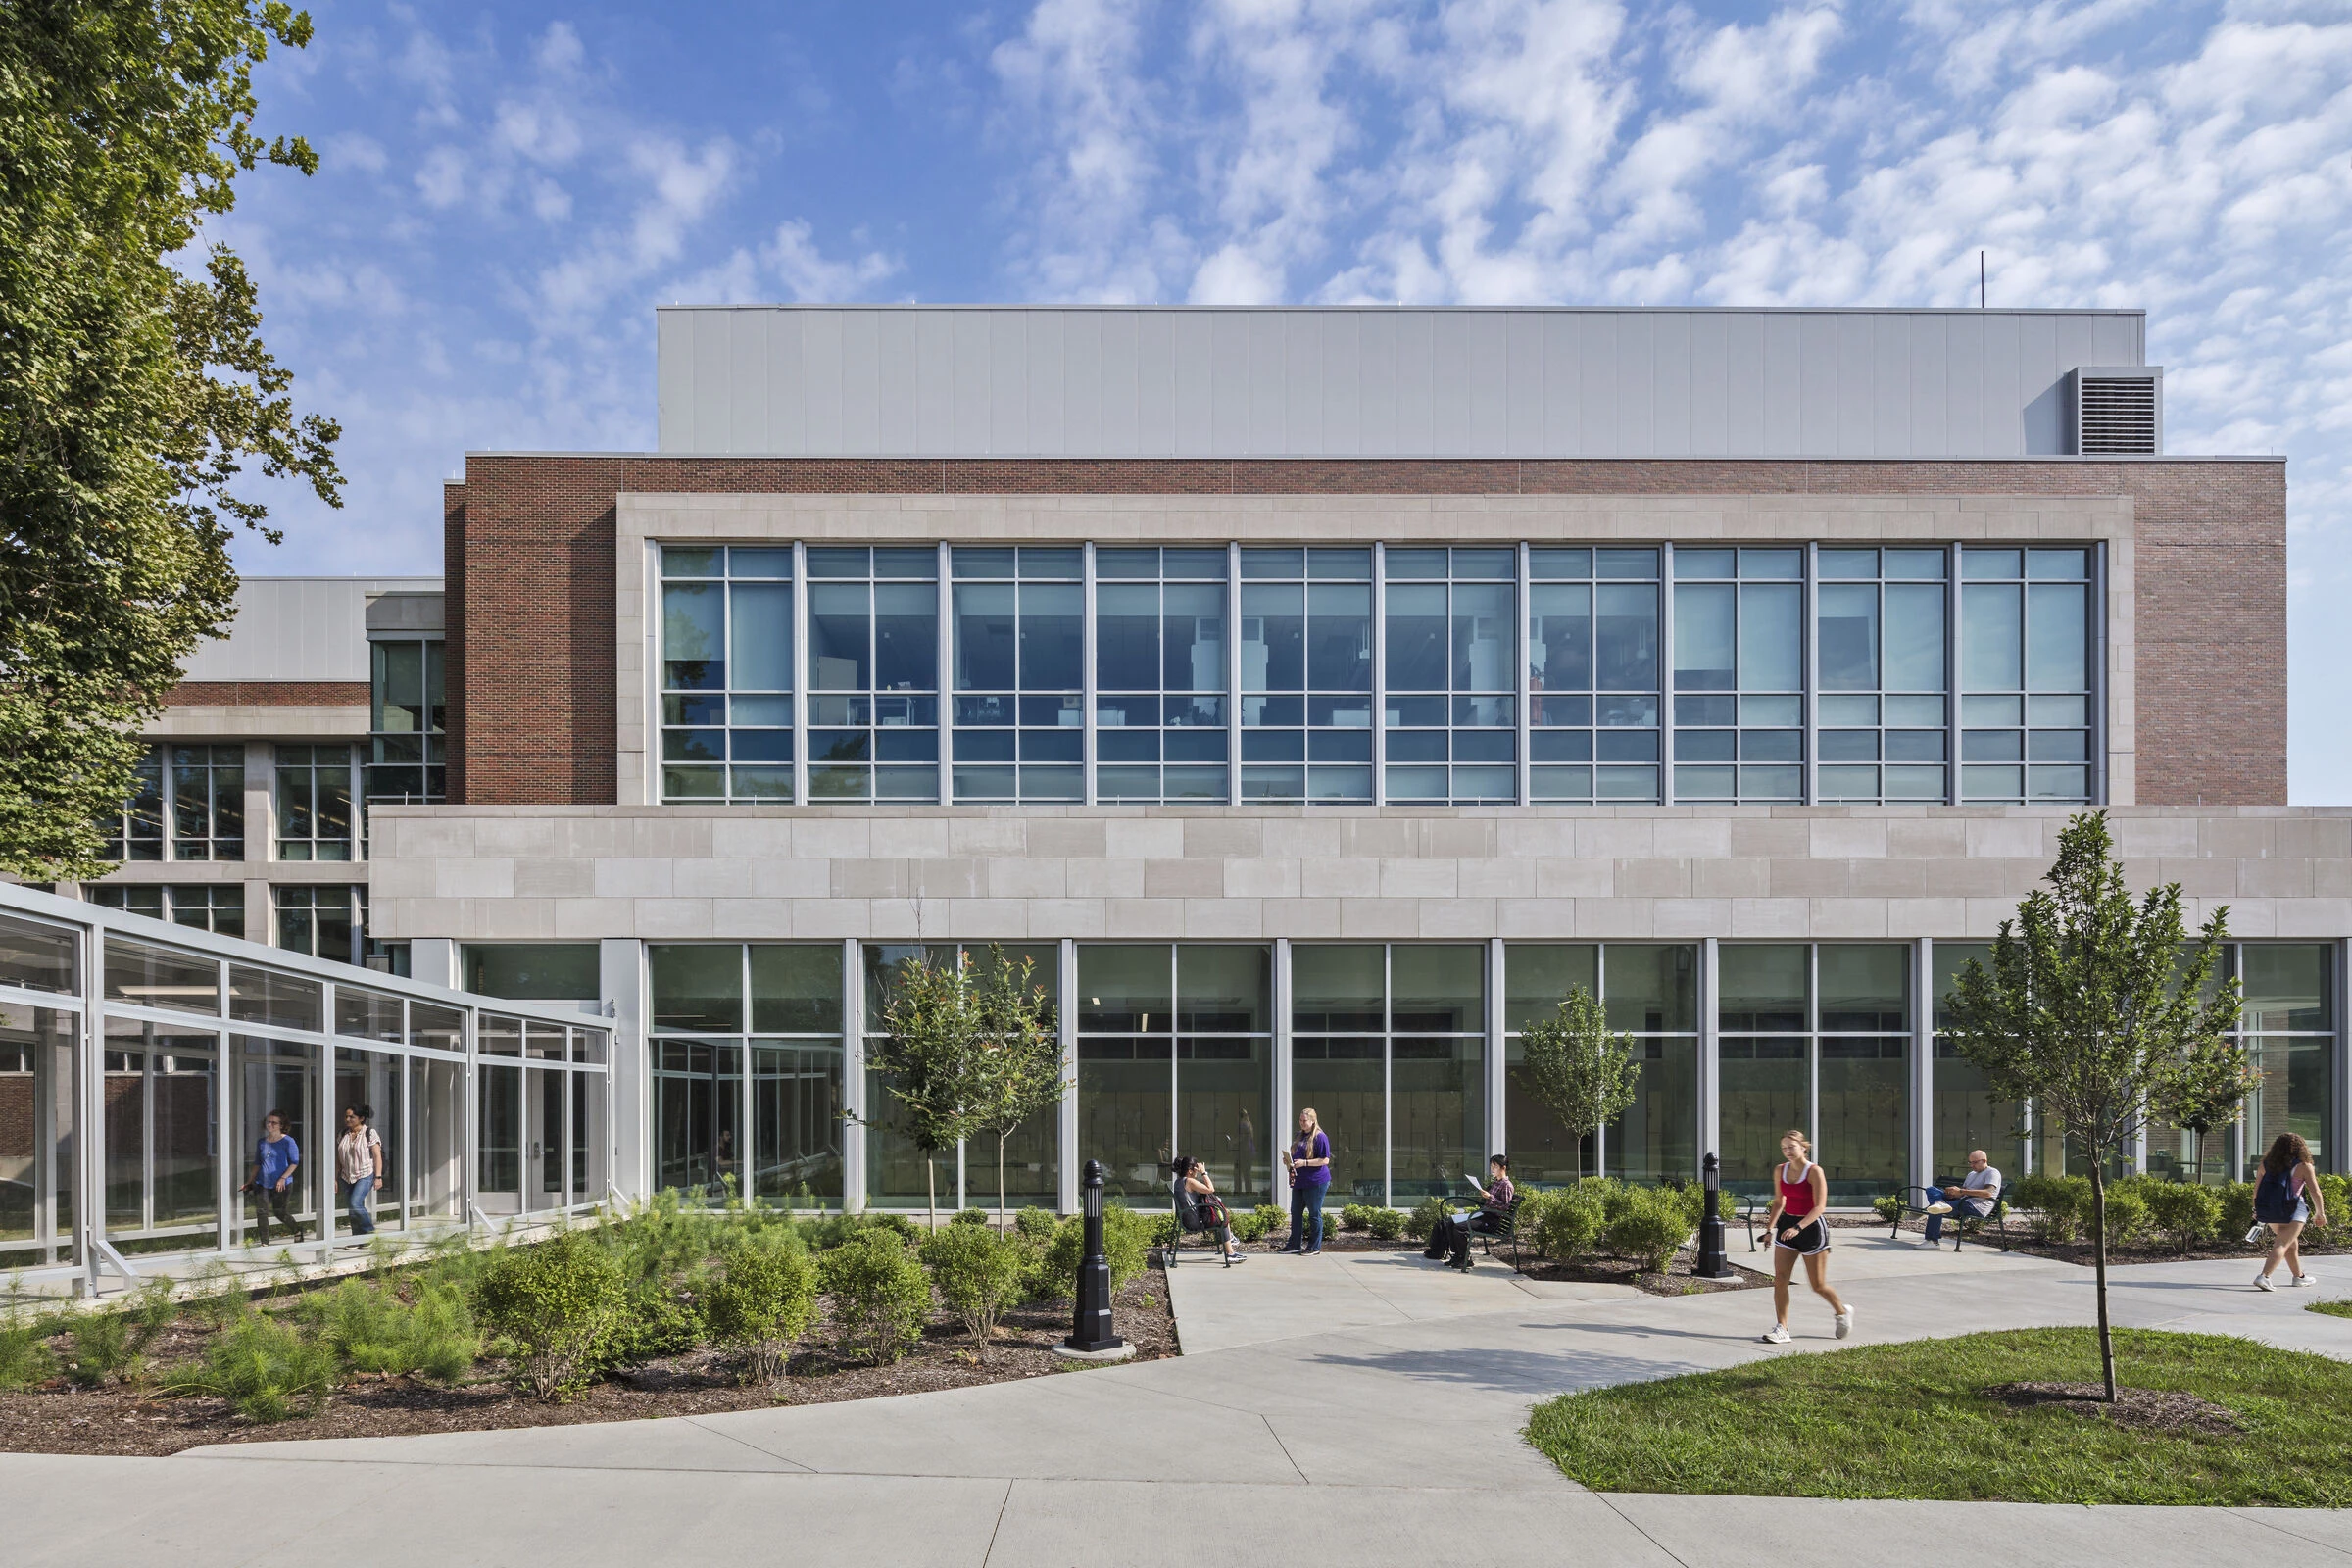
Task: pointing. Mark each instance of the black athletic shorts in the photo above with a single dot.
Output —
(1803, 1240)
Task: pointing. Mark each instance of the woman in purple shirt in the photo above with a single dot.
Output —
(1308, 1160)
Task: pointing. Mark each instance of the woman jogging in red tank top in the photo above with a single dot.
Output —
(1801, 1199)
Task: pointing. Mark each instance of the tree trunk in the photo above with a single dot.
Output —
(2099, 1241)
(931, 1198)
(1000, 1137)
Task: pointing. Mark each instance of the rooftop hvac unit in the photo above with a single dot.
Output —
(2116, 410)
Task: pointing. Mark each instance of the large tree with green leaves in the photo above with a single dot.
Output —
(134, 387)
(1584, 1071)
(931, 1056)
(2097, 1011)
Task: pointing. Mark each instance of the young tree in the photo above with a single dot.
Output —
(2092, 1011)
(1579, 1067)
(1019, 1069)
(929, 1054)
(134, 387)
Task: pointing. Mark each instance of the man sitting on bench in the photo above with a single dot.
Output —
(1453, 1231)
(1199, 1208)
(1972, 1199)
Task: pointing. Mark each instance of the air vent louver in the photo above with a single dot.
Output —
(2117, 413)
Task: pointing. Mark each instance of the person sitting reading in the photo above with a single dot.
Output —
(1453, 1231)
(1199, 1207)
(1971, 1199)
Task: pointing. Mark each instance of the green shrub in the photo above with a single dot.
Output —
(654, 1322)
(25, 1356)
(1386, 1224)
(1160, 1230)
(2126, 1214)
(970, 1216)
(1888, 1208)
(979, 1275)
(1569, 1223)
(765, 1299)
(1126, 1245)
(105, 1347)
(902, 1226)
(2237, 1210)
(553, 1301)
(2336, 1193)
(2183, 1214)
(881, 1297)
(1355, 1217)
(1038, 1224)
(1423, 1220)
(2061, 1203)
(1650, 1225)
(264, 1367)
(1255, 1224)
(367, 1327)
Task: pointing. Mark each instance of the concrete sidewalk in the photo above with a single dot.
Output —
(1368, 1402)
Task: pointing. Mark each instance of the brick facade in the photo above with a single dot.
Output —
(268, 694)
(530, 581)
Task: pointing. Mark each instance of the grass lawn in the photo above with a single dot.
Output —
(2333, 1308)
(1910, 1420)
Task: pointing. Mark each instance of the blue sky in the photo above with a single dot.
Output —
(507, 192)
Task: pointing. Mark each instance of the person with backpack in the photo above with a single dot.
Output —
(2286, 1197)
(1199, 1208)
(359, 1165)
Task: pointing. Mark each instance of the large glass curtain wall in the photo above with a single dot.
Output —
(747, 1055)
(901, 1175)
(1176, 1057)
(1816, 1038)
(194, 1049)
(1798, 673)
(1388, 1046)
(1650, 992)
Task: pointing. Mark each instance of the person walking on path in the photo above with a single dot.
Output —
(1796, 1221)
(270, 1179)
(359, 1165)
(2287, 1198)
(1308, 1163)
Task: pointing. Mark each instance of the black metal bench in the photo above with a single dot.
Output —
(1505, 1226)
(1961, 1220)
(1206, 1233)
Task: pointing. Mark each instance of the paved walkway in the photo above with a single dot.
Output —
(1367, 1406)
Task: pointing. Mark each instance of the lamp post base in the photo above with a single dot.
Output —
(1121, 1351)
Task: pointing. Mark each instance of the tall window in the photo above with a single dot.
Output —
(2287, 1029)
(1387, 1046)
(775, 1010)
(325, 923)
(1963, 1113)
(137, 833)
(873, 674)
(1593, 674)
(1452, 671)
(1879, 637)
(1307, 675)
(314, 803)
(1176, 1057)
(1159, 674)
(2025, 674)
(1650, 991)
(1816, 1037)
(1020, 673)
(1738, 674)
(726, 673)
(208, 803)
(217, 908)
(409, 718)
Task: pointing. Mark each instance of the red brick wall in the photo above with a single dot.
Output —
(531, 650)
(268, 693)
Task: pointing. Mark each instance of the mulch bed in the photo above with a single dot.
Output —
(2146, 1409)
(128, 1420)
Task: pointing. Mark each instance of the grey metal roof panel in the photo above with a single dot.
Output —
(299, 628)
(1086, 381)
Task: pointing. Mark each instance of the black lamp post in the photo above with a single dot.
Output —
(1712, 1264)
(1090, 1326)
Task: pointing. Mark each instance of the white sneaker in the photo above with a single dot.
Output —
(2305, 1279)
(1938, 1208)
(1778, 1336)
(2262, 1281)
(1931, 1240)
(1845, 1322)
